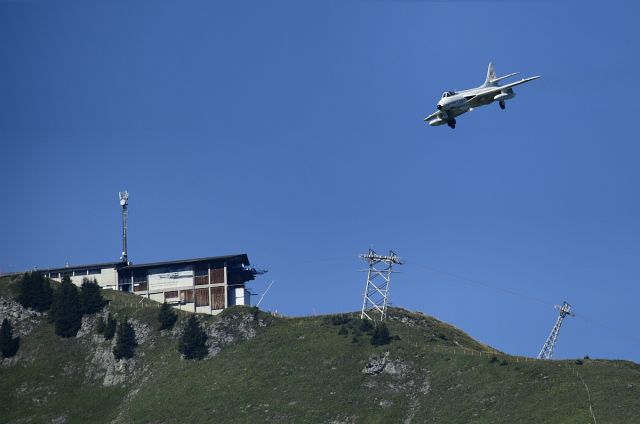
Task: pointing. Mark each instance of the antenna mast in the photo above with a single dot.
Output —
(550, 344)
(376, 292)
(124, 202)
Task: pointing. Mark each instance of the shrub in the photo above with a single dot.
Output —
(65, 309)
(166, 316)
(340, 319)
(365, 326)
(192, 344)
(125, 341)
(8, 345)
(343, 331)
(380, 335)
(100, 326)
(493, 359)
(91, 300)
(110, 327)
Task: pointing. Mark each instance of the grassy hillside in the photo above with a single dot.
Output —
(263, 368)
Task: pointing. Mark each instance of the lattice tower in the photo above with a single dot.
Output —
(376, 292)
(547, 350)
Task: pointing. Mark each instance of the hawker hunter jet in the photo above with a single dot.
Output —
(455, 103)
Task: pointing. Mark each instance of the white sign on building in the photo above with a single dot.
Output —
(165, 279)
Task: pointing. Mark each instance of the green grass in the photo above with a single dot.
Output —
(43, 390)
(302, 370)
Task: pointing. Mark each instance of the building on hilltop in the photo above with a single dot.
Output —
(205, 285)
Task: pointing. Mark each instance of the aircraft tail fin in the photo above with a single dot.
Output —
(492, 80)
(491, 76)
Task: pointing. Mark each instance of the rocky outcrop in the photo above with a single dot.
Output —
(22, 319)
(23, 322)
(101, 366)
(382, 364)
(402, 378)
(229, 329)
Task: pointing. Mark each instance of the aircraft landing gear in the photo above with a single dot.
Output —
(452, 123)
(502, 105)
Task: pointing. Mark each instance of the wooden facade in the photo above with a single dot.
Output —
(199, 285)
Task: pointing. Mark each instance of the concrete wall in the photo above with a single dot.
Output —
(239, 296)
(107, 278)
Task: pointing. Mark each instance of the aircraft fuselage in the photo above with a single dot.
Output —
(453, 103)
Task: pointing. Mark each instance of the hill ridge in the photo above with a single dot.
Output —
(267, 368)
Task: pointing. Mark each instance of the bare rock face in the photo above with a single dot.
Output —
(22, 319)
(87, 327)
(228, 330)
(143, 331)
(101, 366)
(382, 364)
(401, 379)
(376, 364)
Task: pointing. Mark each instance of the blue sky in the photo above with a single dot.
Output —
(293, 131)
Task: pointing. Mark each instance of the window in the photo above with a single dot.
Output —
(54, 275)
(140, 286)
(170, 295)
(140, 277)
(201, 276)
(80, 272)
(95, 271)
(199, 272)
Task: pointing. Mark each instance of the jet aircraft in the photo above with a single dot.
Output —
(455, 103)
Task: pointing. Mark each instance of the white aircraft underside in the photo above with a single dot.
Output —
(453, 104)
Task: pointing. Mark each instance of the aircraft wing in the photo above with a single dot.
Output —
(522, 81)
(479, 98)
(434, 115)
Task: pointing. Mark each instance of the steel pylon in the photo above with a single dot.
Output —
(376, 291)
(547, 350)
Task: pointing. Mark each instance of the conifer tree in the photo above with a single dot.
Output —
(192, 344)
(26, 290)
(91, 299)
(166, 316)
(35, 292)
(65, 309)
(43, 294)
(8, 345)
(110, 327)
(125, 341)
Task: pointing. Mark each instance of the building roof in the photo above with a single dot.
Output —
(240, 258)
(119, 264)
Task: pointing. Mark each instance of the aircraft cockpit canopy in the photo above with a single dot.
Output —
(448, 94)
